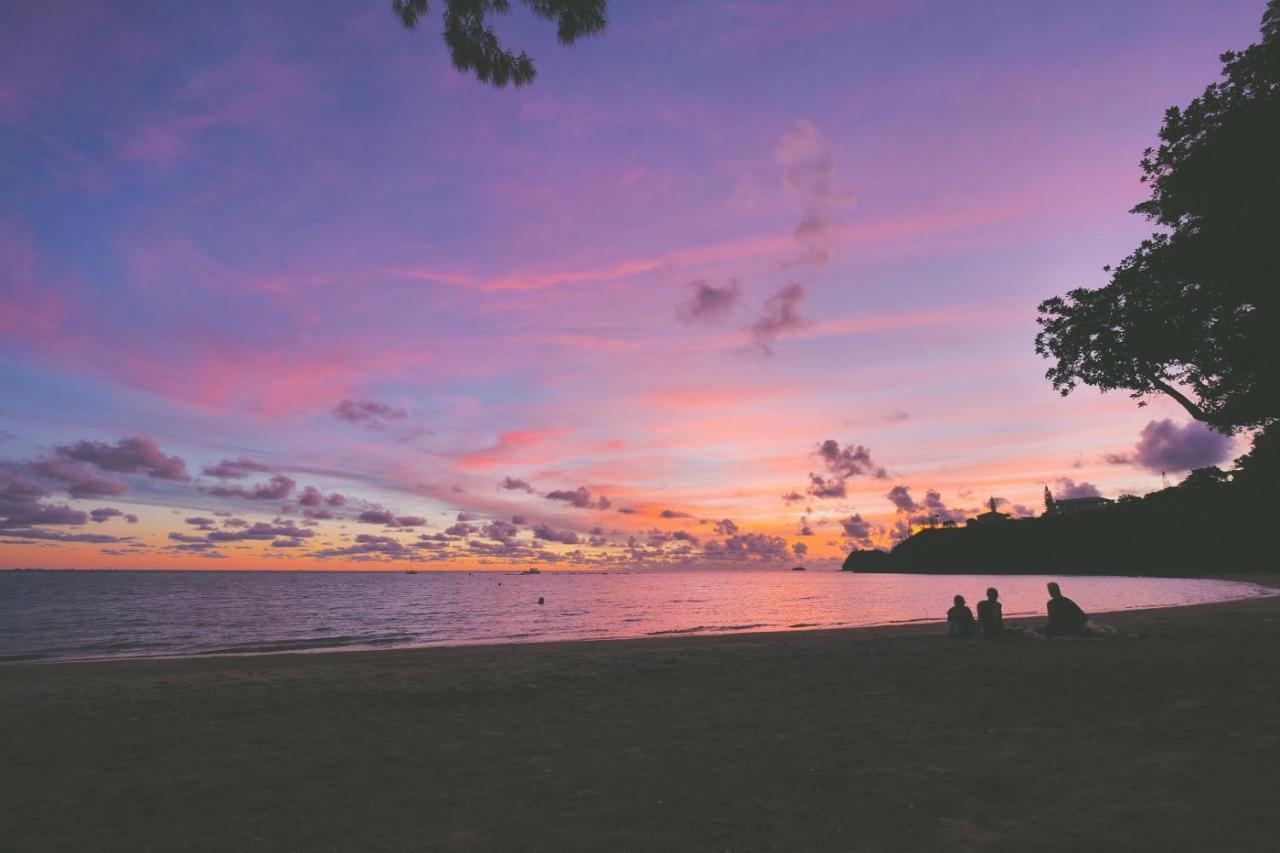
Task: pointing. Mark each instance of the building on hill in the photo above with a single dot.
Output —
(1073, 506)
(989, 516)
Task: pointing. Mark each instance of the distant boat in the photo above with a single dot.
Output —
(411, 571)
(798, 569)
(531, 571)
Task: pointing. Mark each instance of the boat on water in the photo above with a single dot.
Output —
(531, 571)
(799, 569)
(410, 571)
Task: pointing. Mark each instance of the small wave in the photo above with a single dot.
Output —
(117, 646)
(24, 658)
(708, 628)
(300, 644)
(805, 625)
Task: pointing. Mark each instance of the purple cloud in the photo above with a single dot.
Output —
(747, 546)
(235, 469)
(900, 497)
(77, 478)
(857, 528)
(378, 515)
(936, 510)
(580, 497)
(1164, 446)
(367, 547)
(58, 536)
(849, 461)
(277, 488)
(809, 175)
(1066, 489)
(500, 530)
(779, 316)
(550, 534)
(707, 303)
(514, 484)
(260, 531)
(368, 414)
(823, 487)
(21, 504)
(128, 456)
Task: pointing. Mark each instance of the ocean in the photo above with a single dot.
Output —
(64, 616)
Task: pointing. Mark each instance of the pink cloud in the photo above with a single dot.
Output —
(524, 447)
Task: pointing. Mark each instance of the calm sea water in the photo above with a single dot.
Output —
(87, 615)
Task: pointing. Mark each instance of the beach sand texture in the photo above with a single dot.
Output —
(1167, 737)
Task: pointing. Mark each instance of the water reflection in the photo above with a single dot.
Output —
(81, 615)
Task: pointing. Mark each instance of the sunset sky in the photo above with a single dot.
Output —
(731, 283)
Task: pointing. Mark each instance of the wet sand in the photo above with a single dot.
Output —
(1166, 737)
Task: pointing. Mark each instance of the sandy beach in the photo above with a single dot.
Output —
(1166, 737)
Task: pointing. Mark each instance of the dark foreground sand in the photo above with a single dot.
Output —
(1166, 738)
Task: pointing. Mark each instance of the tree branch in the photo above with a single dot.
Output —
(1192, 409)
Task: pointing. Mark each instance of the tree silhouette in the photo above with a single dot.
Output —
(1192, 312)
(473, 45)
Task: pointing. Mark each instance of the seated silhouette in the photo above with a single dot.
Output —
(1066, 619)
(990, 615)
(960, 619)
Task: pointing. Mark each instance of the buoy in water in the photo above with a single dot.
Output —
(541, 600)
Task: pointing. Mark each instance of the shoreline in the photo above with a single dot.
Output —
(920, 627)
(885, 738)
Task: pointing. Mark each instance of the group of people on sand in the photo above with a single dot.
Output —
(1066, 619)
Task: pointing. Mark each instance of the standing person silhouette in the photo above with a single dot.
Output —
(1066, 619)
(990, 615)
(960, 619)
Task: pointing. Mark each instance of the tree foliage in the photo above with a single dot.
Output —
(1192, 312)
(474, 47)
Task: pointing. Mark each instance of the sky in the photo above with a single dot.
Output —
(731, 284)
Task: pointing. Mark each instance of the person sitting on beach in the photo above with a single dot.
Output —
(990, 615)
(960, 619)
(1066, 619)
